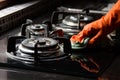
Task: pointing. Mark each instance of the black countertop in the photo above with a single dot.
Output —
(112, 73)
(14, 74)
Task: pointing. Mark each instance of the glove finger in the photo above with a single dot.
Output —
(96, 38)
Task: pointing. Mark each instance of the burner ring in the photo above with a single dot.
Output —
(36, 27)
(43, 43)
(26, 58)
(31, 52)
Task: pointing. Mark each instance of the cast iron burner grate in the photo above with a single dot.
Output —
(35, 51)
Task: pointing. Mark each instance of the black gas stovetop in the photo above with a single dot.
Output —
(98, 58)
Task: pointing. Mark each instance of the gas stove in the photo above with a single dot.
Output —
(46, 46)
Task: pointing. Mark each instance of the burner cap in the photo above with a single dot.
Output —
(43, 43)
(45, 47)
(36, 27)
(36, 30)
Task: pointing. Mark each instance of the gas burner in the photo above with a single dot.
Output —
(35, 50)
(72, 22)
(34, 30)
(44, 45)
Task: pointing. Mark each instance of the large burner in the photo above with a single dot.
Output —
(41, 49)
(45, 46)
(71, 23)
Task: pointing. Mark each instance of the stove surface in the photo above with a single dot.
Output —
(102, 57)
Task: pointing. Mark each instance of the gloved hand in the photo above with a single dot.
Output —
(98, 29)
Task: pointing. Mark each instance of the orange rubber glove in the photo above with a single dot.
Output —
(97, 30)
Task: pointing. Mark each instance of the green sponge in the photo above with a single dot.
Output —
(80, 45)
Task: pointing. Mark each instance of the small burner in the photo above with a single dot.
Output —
(35, 30)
